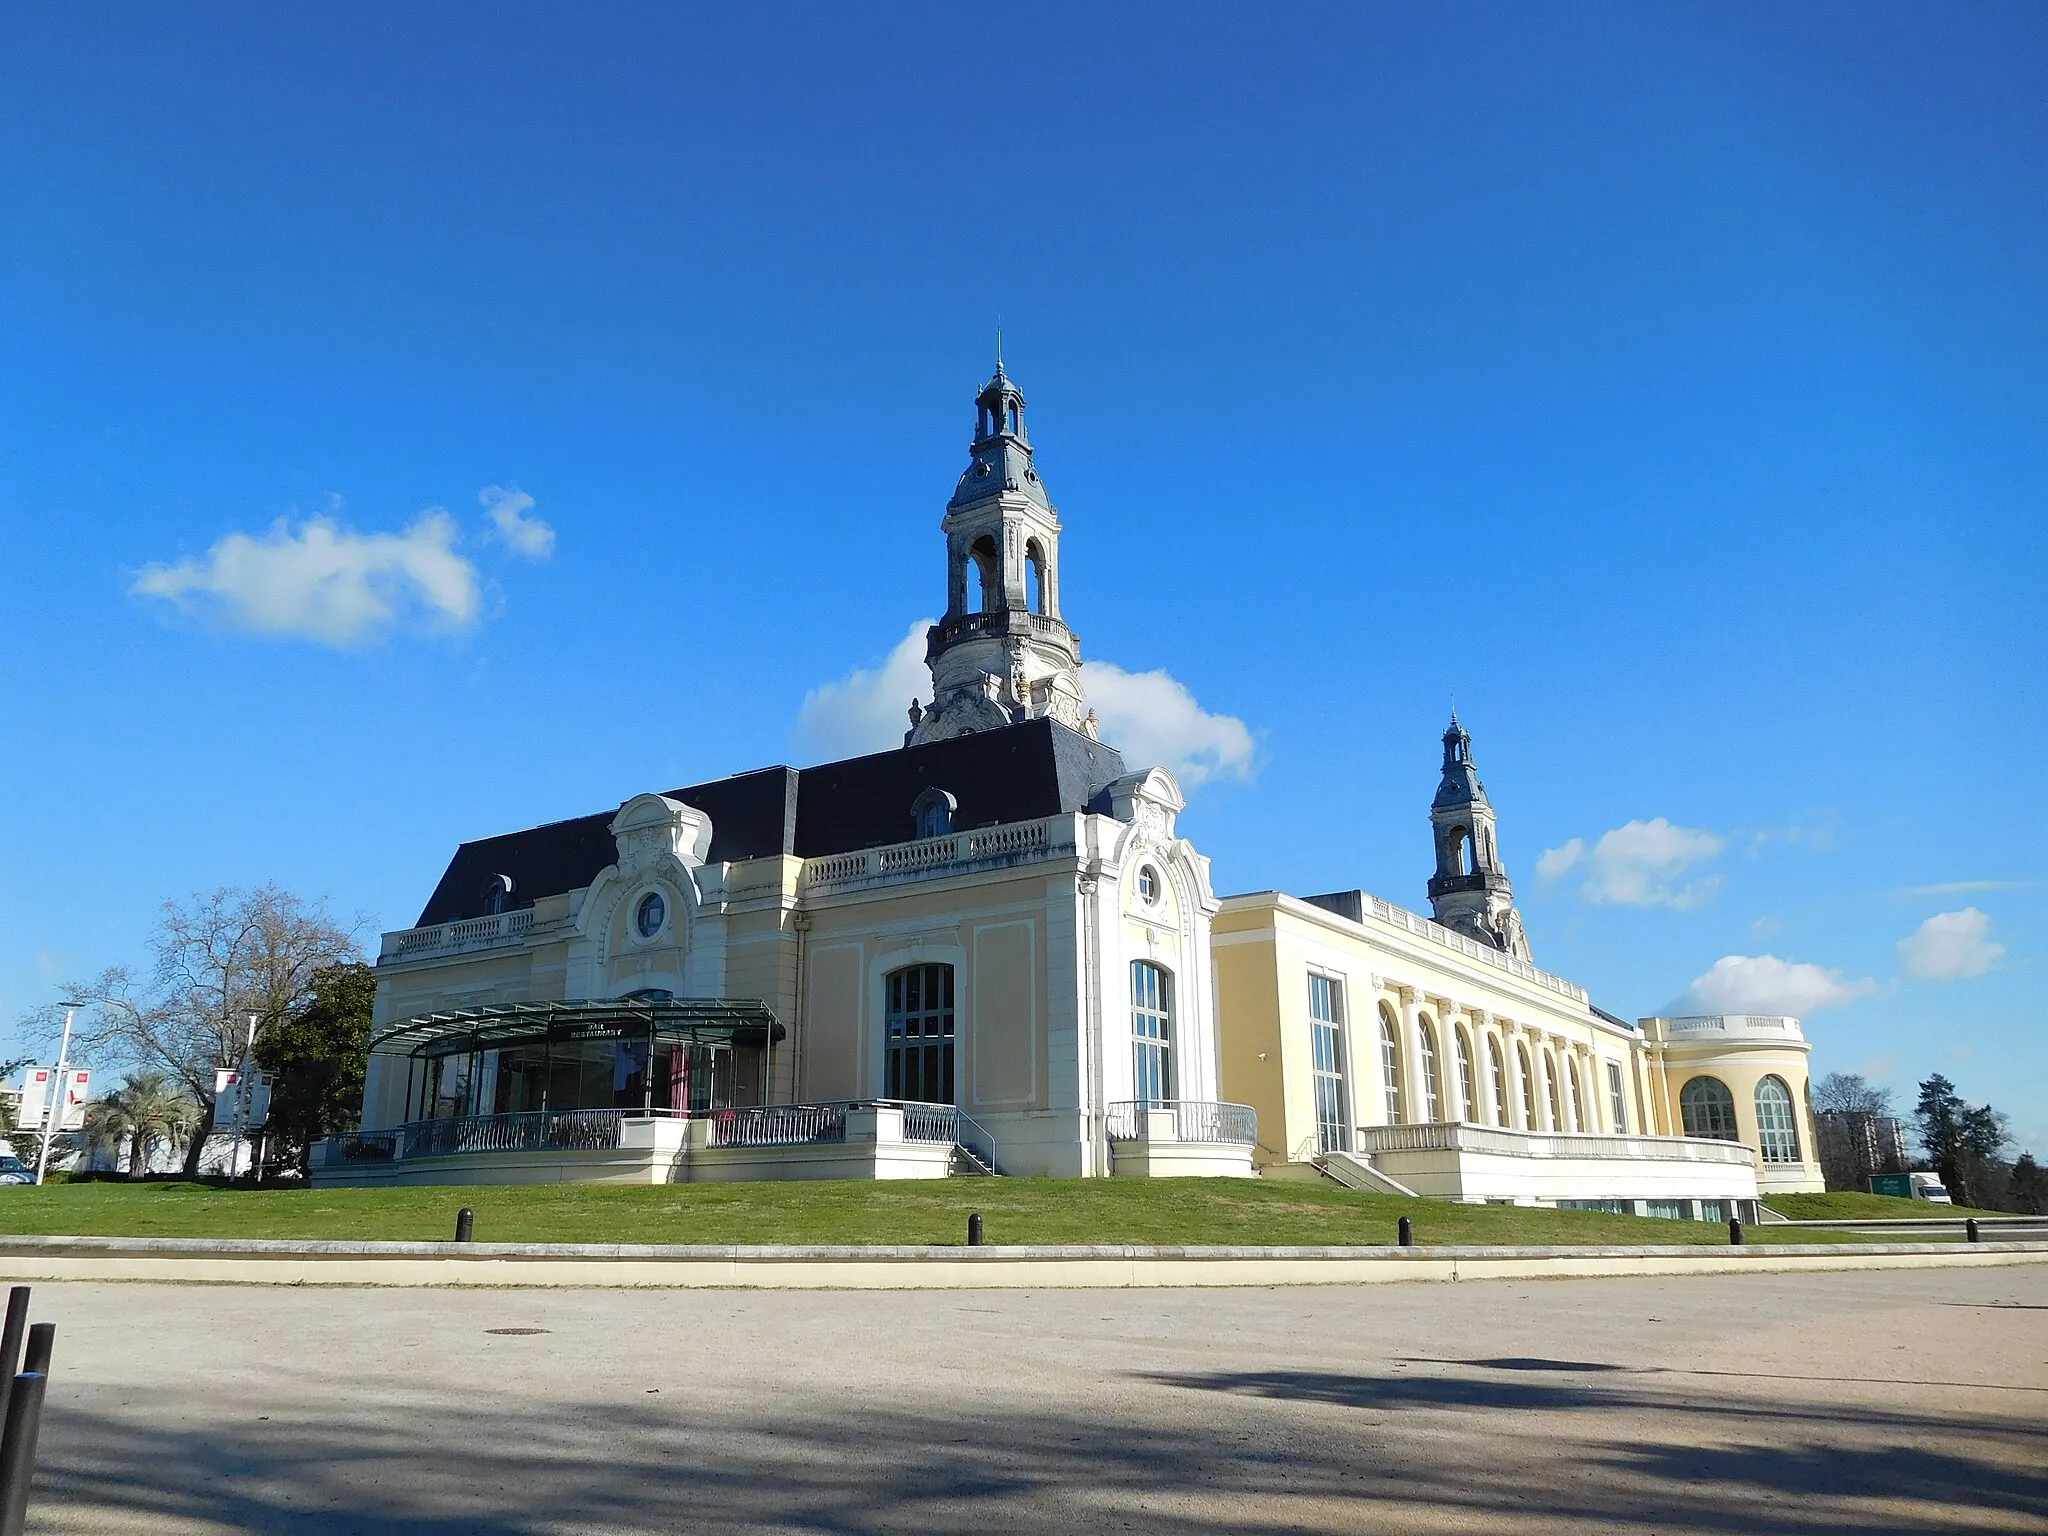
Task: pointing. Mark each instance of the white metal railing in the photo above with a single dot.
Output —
(1195, 1120)
(1017, 842)
(566, 1130)
(1450, 1136)
(779, 1125)
(454, 938)
(1436, 933)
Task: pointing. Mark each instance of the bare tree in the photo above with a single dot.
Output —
(1850, 1091)
(220, 957)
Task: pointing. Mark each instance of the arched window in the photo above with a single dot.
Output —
(1461, 851)
(1776, 1125)
(1500, 1083)
(1431, 1106)
(1528, 1088)
(1034, 576)
(988, 590)
(1550, 1092)
(932, 813)
(1468, 1102)
(919, 1057)
(1152, 1032)
(1390, 1063)
(1708, 1109)
(1573, 1102)
(1015, 418)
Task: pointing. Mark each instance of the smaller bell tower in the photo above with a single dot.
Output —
(1470, 892)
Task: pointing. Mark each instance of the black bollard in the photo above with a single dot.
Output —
(41, 1338)
(18, 1450)
(974, 1230)
(1970, 1230)
(1407, 1233)
(465, 1224)
(1735, 1231)
(10, 1342)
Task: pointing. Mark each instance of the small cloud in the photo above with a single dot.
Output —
(1950, 946)
(1967, 887)
(868, 710)
(531, 537)
(1556, 863)
(1638, 865)
(1154, 721)
(320, 581)
(1766, 984)
(1149, 716)
(1764, 928)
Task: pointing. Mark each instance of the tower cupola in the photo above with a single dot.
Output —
(1470, 891)
(1002, 653)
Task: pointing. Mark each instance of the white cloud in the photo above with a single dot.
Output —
(1967, 887)
(1149, 716)
(1154, 721)
(321, 581)
(1766, 984)
(528, 536)
(1950, 946)
(868, 710)
(1637, 865)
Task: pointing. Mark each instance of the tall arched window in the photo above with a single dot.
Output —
(1550, 1091)
(1572, 1101)
(919, 1057)
(1776, 1125)
(1152, 1032)
(1390, 1063)
(1461, 851)
(1432, 1107)
(1708, 1109)
(1528, 1089)
(1500, 1083)
(1468, 1101)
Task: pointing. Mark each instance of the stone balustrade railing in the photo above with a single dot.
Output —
(1436, 933)
(1019, 842)
(459, 937)
(1450, 1136)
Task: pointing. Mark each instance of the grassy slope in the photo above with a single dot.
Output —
(1850, 1205)
(1200, 1211)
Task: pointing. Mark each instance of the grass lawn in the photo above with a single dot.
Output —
(1850, 1205)
(1196, 1211)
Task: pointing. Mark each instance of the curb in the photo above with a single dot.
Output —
(252, 1261)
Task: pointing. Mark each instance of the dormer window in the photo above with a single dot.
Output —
(931, 813)
(497, 895)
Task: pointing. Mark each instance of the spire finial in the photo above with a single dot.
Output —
(999, 343)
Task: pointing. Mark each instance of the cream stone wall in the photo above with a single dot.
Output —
(1421, 977)
(1741, 1050)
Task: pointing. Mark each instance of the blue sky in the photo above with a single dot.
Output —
(1670, 385)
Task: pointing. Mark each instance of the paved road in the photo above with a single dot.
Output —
(1891, 1402)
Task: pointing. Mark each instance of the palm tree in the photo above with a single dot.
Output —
(148, 1107)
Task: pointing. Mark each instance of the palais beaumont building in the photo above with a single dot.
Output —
(991, 950)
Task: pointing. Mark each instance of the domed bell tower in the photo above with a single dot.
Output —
(1470, 892)
(1002, 653)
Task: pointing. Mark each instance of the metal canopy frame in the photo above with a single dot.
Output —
(743, 1022)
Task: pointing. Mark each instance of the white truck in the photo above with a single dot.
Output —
(1911, 1186)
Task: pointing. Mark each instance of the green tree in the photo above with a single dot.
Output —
(317, 1056)
(1960, 1137)
(1850, 1091)
(149, 1107)
(2027, 1189)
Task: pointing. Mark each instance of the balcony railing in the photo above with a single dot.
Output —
(470, 933)
(1436, 933)
(365, 1147)
(1450, 1136)
(779, 1125)
(1194, 1120)
(1019, 842)
(565, 1130)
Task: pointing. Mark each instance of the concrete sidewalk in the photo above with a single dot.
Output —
(1895, 1402)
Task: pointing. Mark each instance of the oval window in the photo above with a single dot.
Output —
(1148, 885)
(650, 915)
